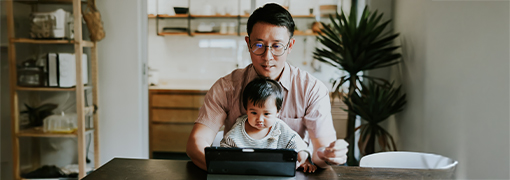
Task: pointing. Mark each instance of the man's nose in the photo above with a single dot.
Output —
(268, 55)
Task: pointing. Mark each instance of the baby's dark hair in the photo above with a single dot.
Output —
(259, 90)
(273, 14)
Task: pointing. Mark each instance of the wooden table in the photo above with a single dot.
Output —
(152, 169)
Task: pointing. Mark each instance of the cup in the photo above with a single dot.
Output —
(223, 28)
(232, 28)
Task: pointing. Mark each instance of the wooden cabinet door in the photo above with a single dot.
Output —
(172, 116)
(170, 137)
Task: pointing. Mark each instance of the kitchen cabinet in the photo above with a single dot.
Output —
(172, 114)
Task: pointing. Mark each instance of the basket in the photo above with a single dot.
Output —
(93, 19)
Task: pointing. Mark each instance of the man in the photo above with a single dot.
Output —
(306, 107)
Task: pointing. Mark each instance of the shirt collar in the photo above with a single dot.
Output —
(285, 77)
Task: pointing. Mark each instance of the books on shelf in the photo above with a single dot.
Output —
(61, 69)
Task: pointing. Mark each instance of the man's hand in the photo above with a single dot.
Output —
(335, 153)
(201, 136)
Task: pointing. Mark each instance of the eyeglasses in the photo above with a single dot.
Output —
(277, 49)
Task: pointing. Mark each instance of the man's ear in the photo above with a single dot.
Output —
(291, 45)
(247, 39)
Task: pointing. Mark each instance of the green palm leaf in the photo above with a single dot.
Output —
(355, 46)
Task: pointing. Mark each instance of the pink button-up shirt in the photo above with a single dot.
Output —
(306, 107)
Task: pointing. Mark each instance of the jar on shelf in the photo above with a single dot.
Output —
(30, 75)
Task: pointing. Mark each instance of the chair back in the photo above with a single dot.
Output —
(410, 160)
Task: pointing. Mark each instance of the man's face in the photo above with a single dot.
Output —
(264, 34)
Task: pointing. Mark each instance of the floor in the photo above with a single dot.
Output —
(167, 155)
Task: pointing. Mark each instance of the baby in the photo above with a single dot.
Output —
(261, 128)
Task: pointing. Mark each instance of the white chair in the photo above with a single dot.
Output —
(217, 139)
(410, 160)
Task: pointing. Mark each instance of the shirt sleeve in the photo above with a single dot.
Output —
(214, 111)
(227, 142)
(318, 119)
(298, 144)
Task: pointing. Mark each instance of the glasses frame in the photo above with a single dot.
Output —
(270, 47)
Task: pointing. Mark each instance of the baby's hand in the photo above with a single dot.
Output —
(308, 167)
(304, 163)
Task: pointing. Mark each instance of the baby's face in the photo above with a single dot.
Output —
(262, 117)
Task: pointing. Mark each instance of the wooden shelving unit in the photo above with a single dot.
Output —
(214, 16)
(189, 17)
(172, 16)
(81, 111)
(22, 88)
(172, 33)
(48, 1)
(45, 41)
(211, 33)
(38, 132)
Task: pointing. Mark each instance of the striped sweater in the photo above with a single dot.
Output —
(281, 136)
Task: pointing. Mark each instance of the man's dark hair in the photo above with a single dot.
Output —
(259, 90)
(273, 14)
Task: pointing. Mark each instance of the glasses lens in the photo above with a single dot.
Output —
(278, 49)
(258, 48)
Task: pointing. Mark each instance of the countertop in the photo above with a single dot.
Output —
(184, 84)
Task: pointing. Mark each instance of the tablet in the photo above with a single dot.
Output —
(251, 161)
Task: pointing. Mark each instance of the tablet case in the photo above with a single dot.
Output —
(251, 161)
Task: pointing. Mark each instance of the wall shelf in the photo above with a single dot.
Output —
(172, 34)
(211, 33)
(172, 16)
(214, 16)
(190, 17)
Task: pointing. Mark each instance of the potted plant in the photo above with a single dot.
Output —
(356, 46)
(374, 104)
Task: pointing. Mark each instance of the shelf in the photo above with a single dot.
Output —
(48, 1)
(190, 16)
(300, 33)
(214, 16)
(304, 16)
(21, 88)
(235, 34)
(38, 132)
(172, 33)
(212, 33)
(49, 41)
(172, 16)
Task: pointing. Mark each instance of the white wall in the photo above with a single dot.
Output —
(456, 75)
(122, 82)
